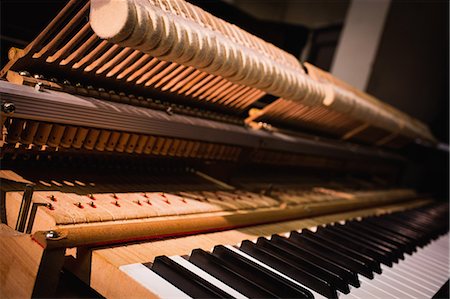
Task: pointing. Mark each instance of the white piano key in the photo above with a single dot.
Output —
(316, 295)
(206, 276)
(410, 278)
(369, 290)
(380, 282)
(419, 277)
(418, 272)
(429, 260)
(426, 268)
(152, 281)
(414, 284)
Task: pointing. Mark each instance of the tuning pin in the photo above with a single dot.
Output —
(79, 205)
(116, 204)
(52, 197)
(38, 76)
(148, 202)
(115, 196)
(92, 204)
(91, 196)
(50, 206)
(139, 202)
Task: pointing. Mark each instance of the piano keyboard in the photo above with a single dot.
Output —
(397, 255)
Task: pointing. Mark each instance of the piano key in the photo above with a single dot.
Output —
(297, 272)
(275, 284)
(405, 280)
(262, 264)
(365, 240)
(303, 263)
(348, 276)
(222, 272)
(342, 259)
(369, 261)
(378, 255)
(413, 287)
(380, 235)
(152, 281)
(415, 238)
(196, 270)
(373, 238)
(185, 280)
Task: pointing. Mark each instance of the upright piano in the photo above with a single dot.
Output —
(150, 149)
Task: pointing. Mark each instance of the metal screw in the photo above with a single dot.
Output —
(8, 107)
(25, 73)
(51, 234)
(39, 86)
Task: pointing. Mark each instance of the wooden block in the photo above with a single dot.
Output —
(20, 258)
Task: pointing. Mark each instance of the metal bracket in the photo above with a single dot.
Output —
(24, 208)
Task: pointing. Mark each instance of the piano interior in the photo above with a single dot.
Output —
(150, 149)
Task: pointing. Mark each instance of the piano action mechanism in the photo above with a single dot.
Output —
(140, 128)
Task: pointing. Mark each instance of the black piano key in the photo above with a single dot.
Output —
(185, 280)
(311, 275)
(382, 233)
(342, 231)
(221, 271)
(396, 250)
(424, 229)
(348, 276)
(340, 258)
(368, 260)
(288, 269)
(407, 238)
(415, 238)
(277, 285)
(378, 255)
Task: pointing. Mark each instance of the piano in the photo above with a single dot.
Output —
(150, 149)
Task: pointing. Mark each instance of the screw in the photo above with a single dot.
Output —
(51, 234)
(25, 73)
(8, 107)
(39, 86)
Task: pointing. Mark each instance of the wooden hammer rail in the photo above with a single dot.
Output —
(84, 115)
